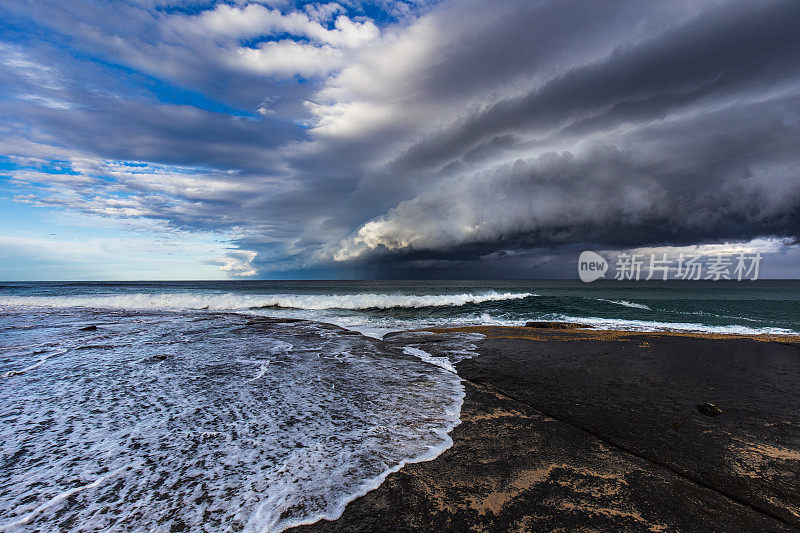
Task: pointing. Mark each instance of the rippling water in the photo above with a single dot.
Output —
(241, 406)
(159, 419)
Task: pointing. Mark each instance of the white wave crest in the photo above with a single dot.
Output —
(655, 326)
(55, 501)
(234, 302)
(441, 362)
(625, 303)
(37, 364)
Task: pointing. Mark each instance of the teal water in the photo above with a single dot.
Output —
(378, 306)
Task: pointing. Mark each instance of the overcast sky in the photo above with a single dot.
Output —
(181, 139)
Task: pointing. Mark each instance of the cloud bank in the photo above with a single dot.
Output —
(410, 138)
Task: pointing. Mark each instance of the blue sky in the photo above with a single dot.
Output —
(173, 139)
(51, 230)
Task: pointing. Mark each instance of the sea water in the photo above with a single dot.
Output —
(255, 406)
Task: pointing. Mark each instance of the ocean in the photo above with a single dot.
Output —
(259, 405)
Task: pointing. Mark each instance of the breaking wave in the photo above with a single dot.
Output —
(237, 302)
(655, 326)
(625, 303)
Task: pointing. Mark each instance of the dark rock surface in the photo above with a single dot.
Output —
(639, 392)
(588, 431)
(709, 409)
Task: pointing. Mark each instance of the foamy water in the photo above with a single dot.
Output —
(625, 303)
(652, 325)
(156, 420)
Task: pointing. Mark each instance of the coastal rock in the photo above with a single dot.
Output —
(555, 325)
(512, 468)
(709, 409)
(89, 328)
(630, 396)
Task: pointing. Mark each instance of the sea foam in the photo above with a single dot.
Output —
(238, 301)
(625, 303)
(655, 326)
(205, 421)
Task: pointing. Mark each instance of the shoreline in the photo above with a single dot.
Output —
(600, 429)
(577, 330)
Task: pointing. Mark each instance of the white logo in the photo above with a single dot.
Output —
(633, 266)
(591, 266)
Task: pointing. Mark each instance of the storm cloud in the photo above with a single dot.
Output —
(410, 138)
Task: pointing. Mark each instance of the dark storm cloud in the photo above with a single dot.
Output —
(689, 136)
(460, 137)
(741, 53)
(730, 174)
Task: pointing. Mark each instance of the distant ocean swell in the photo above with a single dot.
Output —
(398, 311)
